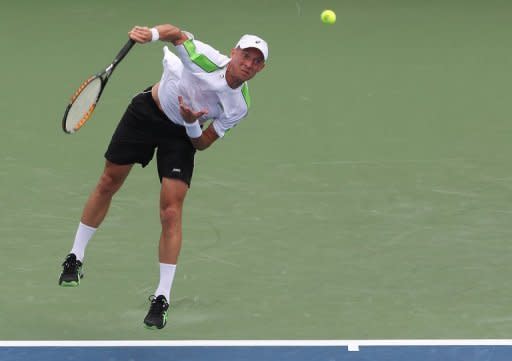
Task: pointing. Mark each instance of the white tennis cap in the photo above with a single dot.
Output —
(253, 41)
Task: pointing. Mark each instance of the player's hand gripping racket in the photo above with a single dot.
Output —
(84, 100)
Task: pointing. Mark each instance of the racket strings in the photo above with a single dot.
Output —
(85, 118)
(83, 103)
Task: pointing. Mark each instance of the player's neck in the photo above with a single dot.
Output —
(232, 81)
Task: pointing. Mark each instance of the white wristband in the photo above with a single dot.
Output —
(155, 35)
(193, 129)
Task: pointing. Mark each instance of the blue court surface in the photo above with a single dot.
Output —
(353, 350)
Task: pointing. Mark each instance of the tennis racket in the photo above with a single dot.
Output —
(84, 100)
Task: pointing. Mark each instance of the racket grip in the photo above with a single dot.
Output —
(122, 53)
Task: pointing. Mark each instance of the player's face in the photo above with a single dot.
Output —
(246, 63)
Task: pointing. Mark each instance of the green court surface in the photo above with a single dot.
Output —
(367, 196)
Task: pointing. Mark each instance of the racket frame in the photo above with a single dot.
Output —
(103, 76)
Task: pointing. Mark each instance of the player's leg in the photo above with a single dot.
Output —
(99, 201)
(172, 197)
(94, 213)
(132, 142)
(97, 205)
(175, 159)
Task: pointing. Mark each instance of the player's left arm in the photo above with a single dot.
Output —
(206, 139)
(200, 140)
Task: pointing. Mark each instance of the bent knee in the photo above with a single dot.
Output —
(170, 214)
(109, 184)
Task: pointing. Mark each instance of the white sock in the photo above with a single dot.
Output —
(82, 237)
(166, 277)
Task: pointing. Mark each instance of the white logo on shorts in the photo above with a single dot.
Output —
(177, 170)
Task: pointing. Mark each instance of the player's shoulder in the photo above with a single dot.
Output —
(236, 102)
(243, 97)
(202, 55)
(244, 91)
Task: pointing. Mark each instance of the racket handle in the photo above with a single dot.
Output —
(122, 53)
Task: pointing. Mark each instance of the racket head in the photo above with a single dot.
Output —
(82, 104)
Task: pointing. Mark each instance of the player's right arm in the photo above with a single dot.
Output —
(166, 32)
(196, 56)
(171, 33)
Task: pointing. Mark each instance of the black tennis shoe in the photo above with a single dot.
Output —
(71, 272)
(157, 314)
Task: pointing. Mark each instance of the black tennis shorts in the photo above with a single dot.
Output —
(144, 128)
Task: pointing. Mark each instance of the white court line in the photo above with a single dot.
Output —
(352, 345)
(385, 161)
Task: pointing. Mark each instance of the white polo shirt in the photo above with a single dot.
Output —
(198, 74)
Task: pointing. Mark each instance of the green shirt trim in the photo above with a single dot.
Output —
(245, 93)
(200, 60)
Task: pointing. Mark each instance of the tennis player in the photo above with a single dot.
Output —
(198, 84)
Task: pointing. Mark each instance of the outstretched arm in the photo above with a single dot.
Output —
(166, 32)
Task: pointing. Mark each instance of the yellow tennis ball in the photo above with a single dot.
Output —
(328, 17)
